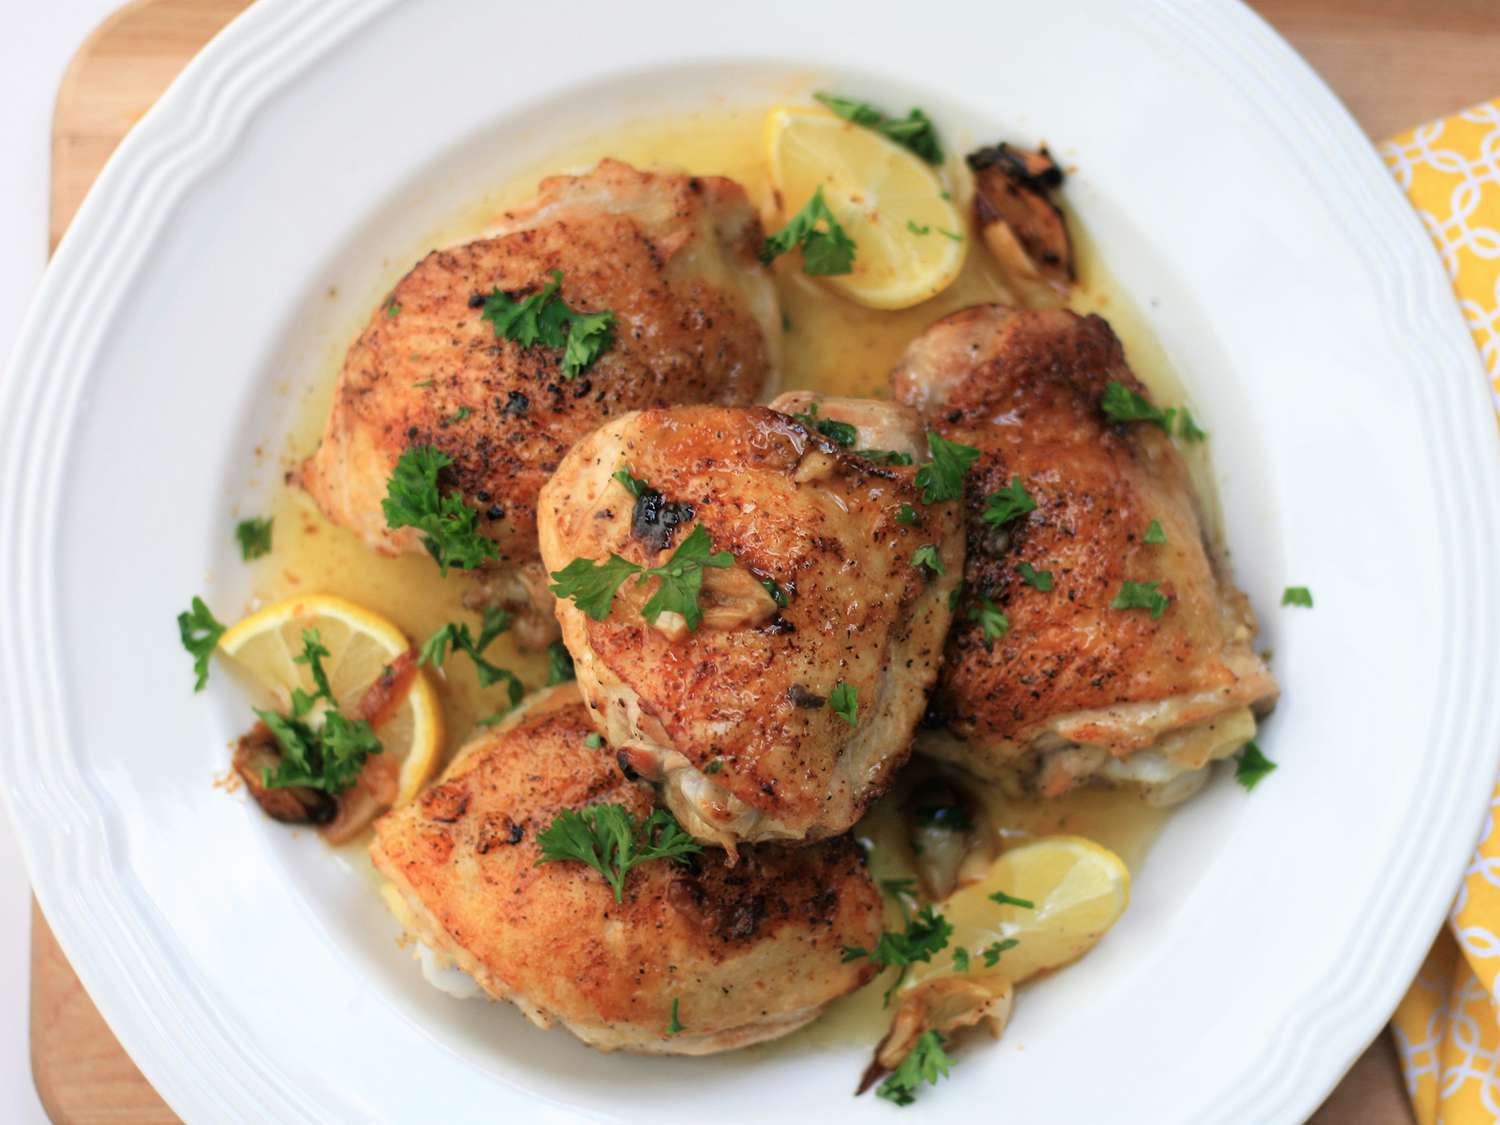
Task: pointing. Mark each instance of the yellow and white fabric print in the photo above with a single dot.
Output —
(1448, 1026)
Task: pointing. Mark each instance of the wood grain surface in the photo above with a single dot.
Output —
(1395, 63)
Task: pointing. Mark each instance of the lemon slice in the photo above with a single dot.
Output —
(1078, 890)
(362, 644)
(885, 197)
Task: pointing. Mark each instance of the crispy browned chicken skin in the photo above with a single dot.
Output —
(1077, 689)
(748, 953)
(738, 719)
(673, 256)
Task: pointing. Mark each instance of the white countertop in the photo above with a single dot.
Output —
(34, 51)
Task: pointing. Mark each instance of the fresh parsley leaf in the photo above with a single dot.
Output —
(1011, 900)
(676, 1025)
(915, 131)
(1141, 595)
(911, 225)
(434, 650)
(844, 699)
(392, 309)
(714, 766)
(908, 515)
(1297, 595)
(328, 759)
(313, 651)
(927, 556)
(682, 578)
(884, 456)
(594, 741)
(590, 335)
(925, 935)
(1187, 427)
(611, 841)
(942, 478)
(592, 585)
(992, 953)
(413, 499)
(1252, 766)
(960, 960)
(950, 234)
(559, 664)
(423, 383)
(992, 622)
(633, 485)
(254, 535)
(543, 318)
(1121, 404)
(200, 632)
(925, 1062)
(826, 250)
(1154, 533)
(1011, 502)
(778, 595)
(1036, 579)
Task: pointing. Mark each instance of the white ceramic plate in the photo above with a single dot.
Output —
(249, 222)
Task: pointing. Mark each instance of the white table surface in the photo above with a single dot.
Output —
(39, 40)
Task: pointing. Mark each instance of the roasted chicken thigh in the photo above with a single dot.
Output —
(672, 256)
(1096, 673)
(792, 703)
(731, 956)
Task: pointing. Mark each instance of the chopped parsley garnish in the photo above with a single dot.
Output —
(328, 759)
(925, 1062)
(313, 651)
(778, 595)
(593, 741)
(592, 585)
(633, 485)
(840, 433)
(457, 416)
(1187, 427)
(1121, 404)
(927, 556)
(543, 318)
(714, 766)
(1011, 502)
(496, 621)
(1011, 900)
(254, 535)
(423, 383)
(992, 953)
(559, 664)
(884, 456)
(1141, 595)
(844, 699)
(392, 309)
(912, 226)
(943, 477)
(200, 632)
(611, 841)
(908, 515)
(826, 250)
(960, 960)
(676, 1025)
(1252, 766)
(412, 499)
(925, 935)
(1036, 579)
(992, 622)
(1154, 533)
(953, 234)
(915, 131)
(1297, 595)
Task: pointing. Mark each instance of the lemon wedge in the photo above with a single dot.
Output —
(910, 241)
(1077, 889)
(362, 645)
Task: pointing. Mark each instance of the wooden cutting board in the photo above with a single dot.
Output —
(1394, 62)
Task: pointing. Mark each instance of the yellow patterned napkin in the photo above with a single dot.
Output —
(1448, 1026)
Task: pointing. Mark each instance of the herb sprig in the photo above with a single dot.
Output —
(613, 842)
(592, 586)
(942, 478)
(456, 635)
(544, 318)
(915, 131)
(826, 250)
(413, 499)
